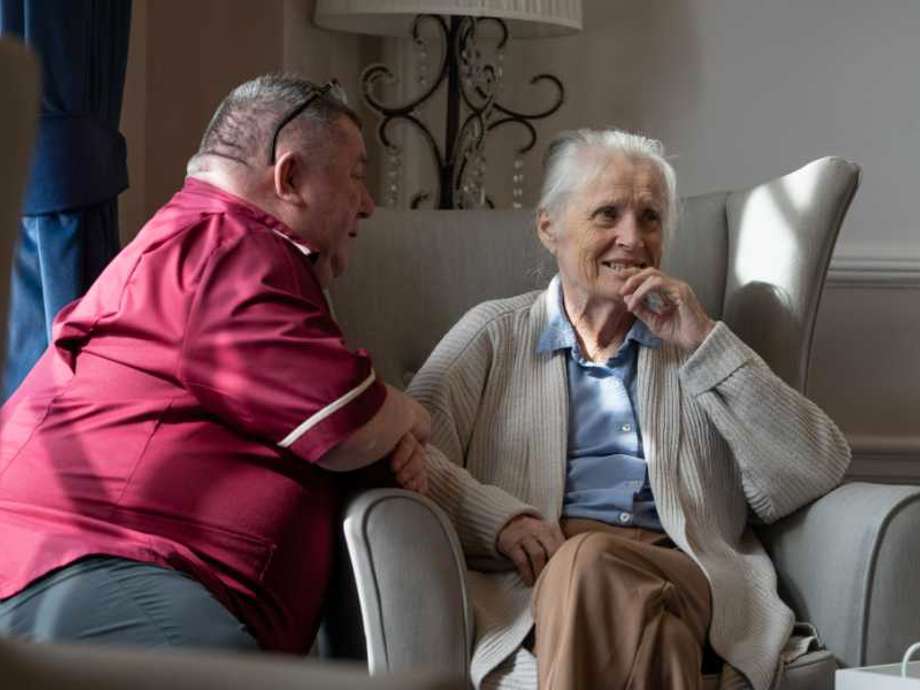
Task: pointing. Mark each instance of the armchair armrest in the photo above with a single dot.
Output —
(411, 580)
(850, 564)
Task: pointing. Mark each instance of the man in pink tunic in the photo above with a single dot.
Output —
(168, 470)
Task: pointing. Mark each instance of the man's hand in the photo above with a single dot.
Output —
(409, 464)
(681, 320)
(421, 421)
(529, 542)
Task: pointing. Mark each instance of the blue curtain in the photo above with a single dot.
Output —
(70, 216)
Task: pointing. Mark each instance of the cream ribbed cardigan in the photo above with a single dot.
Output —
(721, 433)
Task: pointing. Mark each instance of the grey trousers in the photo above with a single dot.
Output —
(115, 601)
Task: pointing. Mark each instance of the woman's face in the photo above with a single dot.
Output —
(611, 226)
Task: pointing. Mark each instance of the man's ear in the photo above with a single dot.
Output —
(547, 230)
(287, 178)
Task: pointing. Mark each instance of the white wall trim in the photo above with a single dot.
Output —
(880, 458)
(874, 271)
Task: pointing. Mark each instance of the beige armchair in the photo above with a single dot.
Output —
(757, 258)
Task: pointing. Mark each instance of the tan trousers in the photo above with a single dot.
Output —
(618, 608)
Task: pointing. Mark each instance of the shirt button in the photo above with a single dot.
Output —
(625, 517)
(626, 427)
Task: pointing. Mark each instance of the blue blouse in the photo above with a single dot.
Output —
(606, 472)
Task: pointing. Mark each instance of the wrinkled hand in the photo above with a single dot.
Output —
(409, 464)
(682, 321)
(529, 542)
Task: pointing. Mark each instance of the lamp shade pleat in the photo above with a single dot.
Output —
(525, 18)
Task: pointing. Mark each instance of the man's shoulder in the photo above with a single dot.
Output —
(203, 246)
(188, 220)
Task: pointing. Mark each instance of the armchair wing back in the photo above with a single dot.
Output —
(414, 273)
(780, 238)
(756, 258)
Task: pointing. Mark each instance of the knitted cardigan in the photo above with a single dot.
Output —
(721, 434)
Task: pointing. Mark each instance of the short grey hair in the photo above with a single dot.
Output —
(574, 157)
(241, 128)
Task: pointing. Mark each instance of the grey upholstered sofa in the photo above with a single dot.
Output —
(757, 258)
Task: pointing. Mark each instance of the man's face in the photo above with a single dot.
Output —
(611, 227)
(336, 198)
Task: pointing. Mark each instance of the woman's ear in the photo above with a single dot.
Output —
(546, 230)
(287, 178)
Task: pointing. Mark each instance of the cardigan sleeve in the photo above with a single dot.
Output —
(450, 385)
(788, 450)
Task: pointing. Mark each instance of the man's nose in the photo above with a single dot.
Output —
(367, 205)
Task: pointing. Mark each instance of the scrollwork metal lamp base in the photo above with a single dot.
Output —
(472, 112)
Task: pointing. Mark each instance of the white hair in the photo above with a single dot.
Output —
(576, 156)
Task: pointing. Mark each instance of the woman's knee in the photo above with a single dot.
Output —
(585, 556)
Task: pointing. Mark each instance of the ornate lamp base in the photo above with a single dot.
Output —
(473, 112)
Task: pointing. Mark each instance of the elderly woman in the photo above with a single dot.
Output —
(605, 440)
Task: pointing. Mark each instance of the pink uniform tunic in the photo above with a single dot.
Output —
(177, 414)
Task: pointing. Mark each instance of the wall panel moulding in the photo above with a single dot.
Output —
(874, 271)
(891, 459)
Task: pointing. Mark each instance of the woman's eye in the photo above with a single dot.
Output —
(651, 216)
(610, 212)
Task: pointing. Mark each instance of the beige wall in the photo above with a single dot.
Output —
(185, 56)
(132, 207)
(180, 69)
(740, 91)
(743, 91)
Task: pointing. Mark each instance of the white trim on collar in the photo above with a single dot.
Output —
(303, 249)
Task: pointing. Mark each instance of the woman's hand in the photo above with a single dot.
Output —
(409, 464)
(529, 542)
(680, 320)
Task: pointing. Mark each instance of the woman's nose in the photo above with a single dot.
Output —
(628, 233)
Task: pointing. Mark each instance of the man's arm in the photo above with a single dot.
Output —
(398, 416)
(263, 354)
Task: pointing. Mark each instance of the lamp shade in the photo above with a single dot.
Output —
(525, 18)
